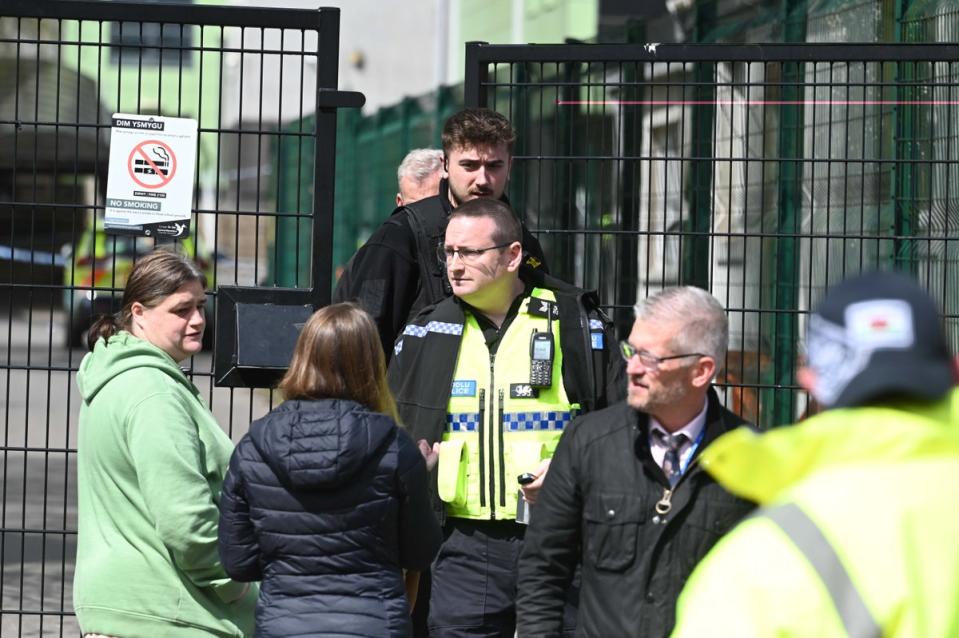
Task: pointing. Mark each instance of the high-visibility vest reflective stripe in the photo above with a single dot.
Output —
(809, 539)
(439, 327)
(513, 421)
(496, 428)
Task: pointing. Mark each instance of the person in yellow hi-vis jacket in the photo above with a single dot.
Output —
(857, 531)
(489, 378)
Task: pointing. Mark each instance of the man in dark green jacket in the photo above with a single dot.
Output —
(625, 498)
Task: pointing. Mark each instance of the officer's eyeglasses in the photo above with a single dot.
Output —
(649, 360)
(469, 255)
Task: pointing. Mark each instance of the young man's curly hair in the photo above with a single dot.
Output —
(470, 128)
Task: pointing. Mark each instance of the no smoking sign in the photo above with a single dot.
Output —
(150, 183)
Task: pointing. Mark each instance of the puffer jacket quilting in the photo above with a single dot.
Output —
(325, 502)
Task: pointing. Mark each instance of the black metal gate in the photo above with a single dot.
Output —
(65, 68)
(763, 173)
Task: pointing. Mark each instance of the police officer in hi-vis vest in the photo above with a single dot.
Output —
(489, 378)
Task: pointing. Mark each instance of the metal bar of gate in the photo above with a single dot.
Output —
(169, 13)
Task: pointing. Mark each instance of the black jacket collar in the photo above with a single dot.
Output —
(444, 195)
(718, 422)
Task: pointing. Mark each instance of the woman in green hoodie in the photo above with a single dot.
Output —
(151, 460)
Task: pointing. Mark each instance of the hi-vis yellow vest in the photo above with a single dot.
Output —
(499, 427)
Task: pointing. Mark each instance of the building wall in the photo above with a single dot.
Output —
(517, 22)
(387, 51)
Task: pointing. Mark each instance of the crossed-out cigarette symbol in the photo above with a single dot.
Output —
(155, 161)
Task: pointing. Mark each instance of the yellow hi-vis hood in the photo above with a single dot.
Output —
(760, 467)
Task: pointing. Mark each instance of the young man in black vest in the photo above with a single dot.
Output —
(395, 274)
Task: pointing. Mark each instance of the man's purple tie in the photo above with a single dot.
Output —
(673, 444)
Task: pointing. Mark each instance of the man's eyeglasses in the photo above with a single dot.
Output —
(469, 255)
(649, 360)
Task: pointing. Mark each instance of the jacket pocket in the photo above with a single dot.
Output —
(612, 528)
(713, 516)
(716, 514)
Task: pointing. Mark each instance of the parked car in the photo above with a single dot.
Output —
(94, 277)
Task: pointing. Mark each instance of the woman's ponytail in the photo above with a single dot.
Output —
(104, 327)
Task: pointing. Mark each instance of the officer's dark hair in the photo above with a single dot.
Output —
(339, 356)
(154, 277)
(508, 228)
(477, 127)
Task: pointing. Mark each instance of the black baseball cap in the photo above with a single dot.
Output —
(877, 335)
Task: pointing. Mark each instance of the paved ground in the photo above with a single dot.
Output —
(38, 419)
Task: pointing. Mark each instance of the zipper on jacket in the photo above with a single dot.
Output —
(492, 473)
(482, 457)
(502, 453)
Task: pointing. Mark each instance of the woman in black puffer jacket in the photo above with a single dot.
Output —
(326, 498)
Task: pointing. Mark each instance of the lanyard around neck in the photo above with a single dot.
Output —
(692, 451)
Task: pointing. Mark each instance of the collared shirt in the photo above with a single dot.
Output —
(692, 431)
(491, 332)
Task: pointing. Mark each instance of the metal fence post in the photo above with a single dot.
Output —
(476, 76)
(519, 113)
(787, 244)
(789, 218)
(695, 244)
(627, 285)
(328, 28)
(905, 147)
(696, 253)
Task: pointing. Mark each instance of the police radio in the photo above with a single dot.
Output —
(541, 359)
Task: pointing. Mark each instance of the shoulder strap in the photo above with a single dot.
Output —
(428, 222)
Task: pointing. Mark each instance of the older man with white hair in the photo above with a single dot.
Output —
(418, 175)
(624, 498)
